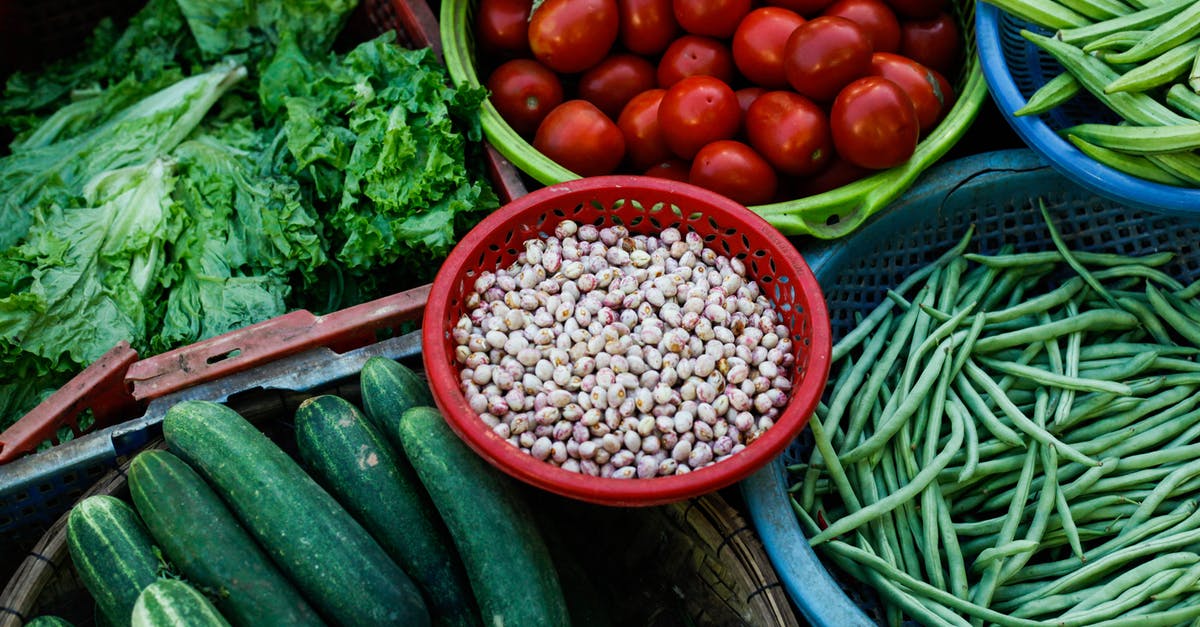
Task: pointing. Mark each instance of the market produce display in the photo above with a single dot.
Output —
(210, 166)
(762, 104)
(1010, 438)
(1138, 62)
(230, 526)
(620, 355)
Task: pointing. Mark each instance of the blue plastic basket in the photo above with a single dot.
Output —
(997, 192)
(1014, 68)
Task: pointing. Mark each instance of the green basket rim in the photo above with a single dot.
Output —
(829, 215)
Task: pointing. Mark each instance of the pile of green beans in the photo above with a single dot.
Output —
(1141, 59)
(1014, 439)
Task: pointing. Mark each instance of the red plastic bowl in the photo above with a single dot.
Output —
(644, 205)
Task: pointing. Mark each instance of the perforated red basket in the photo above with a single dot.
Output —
(645, 206)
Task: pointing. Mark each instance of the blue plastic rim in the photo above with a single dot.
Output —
(996, 192)
(1014, 68)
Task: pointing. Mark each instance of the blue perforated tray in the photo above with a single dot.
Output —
(997, 192)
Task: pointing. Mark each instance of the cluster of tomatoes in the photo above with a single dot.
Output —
(758, 101)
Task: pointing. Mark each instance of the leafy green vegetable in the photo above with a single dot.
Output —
(55, 173)
(222, 27)
(94, 269)
(377, 133)
(155, 197)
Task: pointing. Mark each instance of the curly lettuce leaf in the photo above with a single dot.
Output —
(222, 27)
(380, 136)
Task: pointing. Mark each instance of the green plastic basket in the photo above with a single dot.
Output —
(828, 215)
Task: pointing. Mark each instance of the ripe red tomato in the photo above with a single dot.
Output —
(612, 82)
(824, 54)
(523, 92)
(918, 81)
(746, 97)
(839, 172)
(714, 18)
(696, 111)
(694, 55)
(571, 36)
(644, 142)
(876, 17)
(502, 26)
(874, 123)
(758, 44)
(673, 169)
(805, 8)
(945, 92)
(733, 169)
(935, 42)
(918, 8)
(579, 137)
(790, 131)
(646, 26)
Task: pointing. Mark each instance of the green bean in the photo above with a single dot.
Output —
(1067, 521)
(879, 372)
(1020, 421)
(1182, 325)
(891, 501)
(1119, 371)
(1062, 410)
(893, 422)
(1164, 489)
(986, 587)
(1175, 31)
(868, 324)
(836, 472)
(1071, 257)
(1093, 320)
(1054, 92)
(1039, 258)
(956, 568)
(921, 587)
(964, 396)
(1148, 318)
(1161, 70)
(1044, 377)
(1127, 600)
(1009, 549)
(1146, 433)
(1158, 619)
(902, 516)
(1141, 272)
(1184, 584)
(972, 446)
(1123, 582)
(1110, 561)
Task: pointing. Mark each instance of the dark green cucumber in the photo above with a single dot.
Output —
(331, 558)
(389, 388)
(507, 560)
(174, 603)
(113, 554)
(351, 459)
(203, 539)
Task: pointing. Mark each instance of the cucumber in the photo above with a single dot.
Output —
(506, 558)
(349, 457)
(389, 388)
(202, 538)
(113, 554)
(175, 603)
(330, 557)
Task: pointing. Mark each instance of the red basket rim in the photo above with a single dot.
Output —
(444, 380)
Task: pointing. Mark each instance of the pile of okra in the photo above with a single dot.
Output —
(1013, 438)
(1141, 59)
